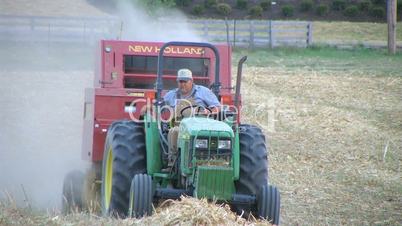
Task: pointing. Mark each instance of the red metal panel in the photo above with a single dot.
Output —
(109, 107)
(113, 60)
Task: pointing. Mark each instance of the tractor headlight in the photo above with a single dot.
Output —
(201, 143)
(224, 144)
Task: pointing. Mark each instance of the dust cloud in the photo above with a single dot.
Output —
(137, 24)
(41, 103)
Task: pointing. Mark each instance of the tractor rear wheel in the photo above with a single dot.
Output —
(141, 193)
(253, 164)
(268, 204)
(124, 156)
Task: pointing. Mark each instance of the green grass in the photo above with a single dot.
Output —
(366, 61)
(353, 31)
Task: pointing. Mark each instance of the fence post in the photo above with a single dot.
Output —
(251, 43)
(227, 31)
(309, 33)
(271, 34)
(234, 33)
(206, 29)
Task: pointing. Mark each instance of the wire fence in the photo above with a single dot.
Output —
(88, 30)
(254, 33)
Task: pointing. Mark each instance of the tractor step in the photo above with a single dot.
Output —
(171, 193)
(243, 199)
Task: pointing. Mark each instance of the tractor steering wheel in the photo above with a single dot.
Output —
(193, 106)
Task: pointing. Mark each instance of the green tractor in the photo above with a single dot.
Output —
(217, 158)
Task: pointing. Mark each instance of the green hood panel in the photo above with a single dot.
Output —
(191, 126)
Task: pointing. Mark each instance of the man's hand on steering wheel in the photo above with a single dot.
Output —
(198, 111)
(201, 110)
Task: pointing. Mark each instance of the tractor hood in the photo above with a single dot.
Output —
(199, 126)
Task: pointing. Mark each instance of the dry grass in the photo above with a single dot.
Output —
(187, 211)
(336, 145)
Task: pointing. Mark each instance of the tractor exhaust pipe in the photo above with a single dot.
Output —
(238, 83)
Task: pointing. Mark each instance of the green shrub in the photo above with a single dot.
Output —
(379, 2)
(255, 11)
(210, 3)
(198, 10)
(287, 10)
(351, 11)
(241, 4)
(321, 10)
(399, 14)
(224, 9)
(365, 5)
(306, 5)
(183, 2)
(266, 4)
(338, 5)
(377, 12)
(399, 6)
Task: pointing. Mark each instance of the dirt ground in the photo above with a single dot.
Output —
(336, 147)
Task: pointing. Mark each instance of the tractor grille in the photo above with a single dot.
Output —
(213, 155)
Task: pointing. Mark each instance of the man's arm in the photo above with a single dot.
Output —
(169, 98)
(211, 100)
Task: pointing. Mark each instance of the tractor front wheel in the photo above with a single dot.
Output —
(268, 204)
(141, 193)
(124, 156)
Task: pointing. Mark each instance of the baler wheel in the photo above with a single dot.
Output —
(72, 197)
(80, 190)
(141, 194)
(124, 157)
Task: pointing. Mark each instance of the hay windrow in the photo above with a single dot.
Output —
(192, 211)
(186, 211)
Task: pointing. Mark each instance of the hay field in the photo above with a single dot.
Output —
(336, 143)
(333, 119)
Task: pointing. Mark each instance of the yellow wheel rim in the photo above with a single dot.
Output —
(131, 204)
(108, 177)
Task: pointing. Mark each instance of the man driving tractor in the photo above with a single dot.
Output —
(194, 98)
(187, 90)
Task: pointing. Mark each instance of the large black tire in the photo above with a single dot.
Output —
(72, 197)
(269, 204)
(141, 194)
(124, 156)
(253, 164)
